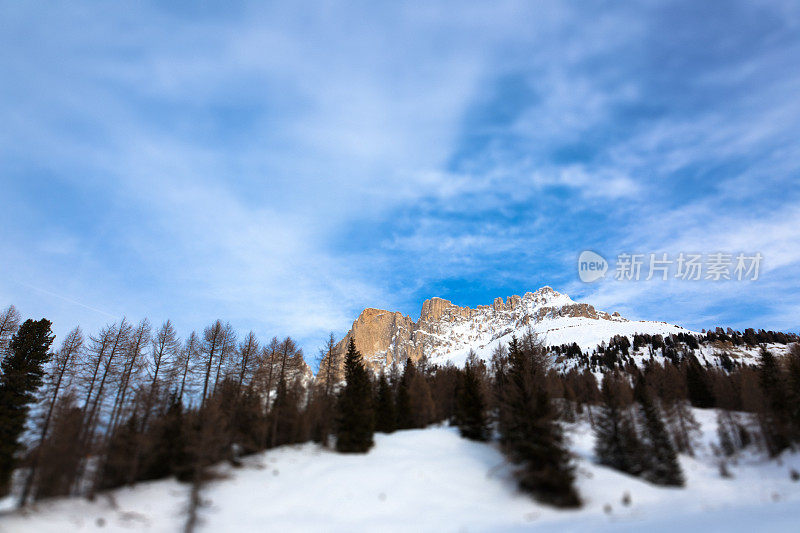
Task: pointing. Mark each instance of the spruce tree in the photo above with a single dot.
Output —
(471, 406)
(22, 371)
(423, 410)
(776, 410)
(616, 442)
(793, 383)
(405, 417)
(660, 460)
(385, 419)
(529, 432)
(700, 394)
(356, 417)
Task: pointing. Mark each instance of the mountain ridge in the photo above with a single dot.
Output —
(446, 332)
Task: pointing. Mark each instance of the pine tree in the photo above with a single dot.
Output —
(61, 366)
(700, 393)
(385, 418)
(405, 417)
(22, 374)
(529, 433)
(471, 406)
(423, 410)
(660, 460)
(776, 409)
(794, 390)
(356, 417)
(616, 442)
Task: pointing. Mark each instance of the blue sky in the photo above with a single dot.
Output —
(283, 168)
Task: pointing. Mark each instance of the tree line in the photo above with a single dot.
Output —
(132, 402)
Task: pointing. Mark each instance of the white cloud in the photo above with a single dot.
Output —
(345, 119)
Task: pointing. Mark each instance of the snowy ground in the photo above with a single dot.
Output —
(432, 480)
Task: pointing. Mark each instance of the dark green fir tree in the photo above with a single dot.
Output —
(405, 416)
(700, 393)
(776, 411)
(22, 371)
(471, 405)
(356, 417)
(660, 459)
(385, 417)
(616, 442)
(529, 432)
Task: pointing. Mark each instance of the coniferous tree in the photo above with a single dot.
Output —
(61, 365)
(423, 410)
(385, 417)
(356, 418)
(700, 393)
(775, 414)
(444, 383)
(617, 445)
(471, 405)
(168, 454)
(23, 368)
(405, 417)
(793, 383)
(660, 460)
(528, 431)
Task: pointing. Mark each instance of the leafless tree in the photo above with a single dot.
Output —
(131, 368)
(226, 350)
(330, 364)
(9, 323)
(269, 364)
(102, 363)
(61, 364)
(291, 359)
(247, 361)
(164, 351)
(210, 350)
(185, 364)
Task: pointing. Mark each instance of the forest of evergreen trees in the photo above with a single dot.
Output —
(134, 402)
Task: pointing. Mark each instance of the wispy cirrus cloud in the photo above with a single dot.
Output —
(284, 168)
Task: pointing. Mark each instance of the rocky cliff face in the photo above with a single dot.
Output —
(447, 332)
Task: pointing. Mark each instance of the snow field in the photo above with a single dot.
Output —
(433, 480)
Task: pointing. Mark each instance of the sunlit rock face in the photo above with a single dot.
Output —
(446, 332)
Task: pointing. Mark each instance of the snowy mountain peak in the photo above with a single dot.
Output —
(446, 332)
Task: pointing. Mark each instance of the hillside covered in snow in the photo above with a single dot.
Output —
(433, 480)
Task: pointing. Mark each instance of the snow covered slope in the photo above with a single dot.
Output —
(433, 480)
(447, 332)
